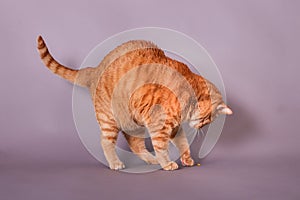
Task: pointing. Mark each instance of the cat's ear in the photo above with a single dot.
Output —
(223, 109)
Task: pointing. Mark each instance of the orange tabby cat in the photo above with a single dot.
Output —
(137, 87)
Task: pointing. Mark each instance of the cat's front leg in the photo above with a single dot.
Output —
(180, 141)
(137, 146)
(160, 142)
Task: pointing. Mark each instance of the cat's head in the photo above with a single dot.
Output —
(210, 108)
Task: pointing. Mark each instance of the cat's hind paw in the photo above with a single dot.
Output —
(118, 165)
(171, 166)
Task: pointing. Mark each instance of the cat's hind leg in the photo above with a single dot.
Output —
(180, 141)
(108, 141)
(137, 146)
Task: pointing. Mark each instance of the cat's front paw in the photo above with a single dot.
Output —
(171, 166)
(187, 161)
(117, 165)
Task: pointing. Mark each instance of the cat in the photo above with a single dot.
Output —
(137, 87)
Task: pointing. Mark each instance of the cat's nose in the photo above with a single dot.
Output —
(228, 111)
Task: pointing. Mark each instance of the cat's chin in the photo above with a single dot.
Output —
(195, 124)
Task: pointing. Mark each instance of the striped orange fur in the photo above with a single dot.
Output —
(137, 87)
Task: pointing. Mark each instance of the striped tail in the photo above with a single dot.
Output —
(72, 75)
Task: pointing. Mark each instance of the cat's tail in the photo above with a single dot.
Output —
(78, 77)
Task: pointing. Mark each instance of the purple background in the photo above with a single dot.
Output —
(256, 47)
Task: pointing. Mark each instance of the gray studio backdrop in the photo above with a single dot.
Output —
(256, 47)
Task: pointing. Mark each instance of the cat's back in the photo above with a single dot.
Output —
(123, 49)
(136, 62)
(117, 53)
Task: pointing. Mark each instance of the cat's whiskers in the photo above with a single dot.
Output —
(202, 132)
